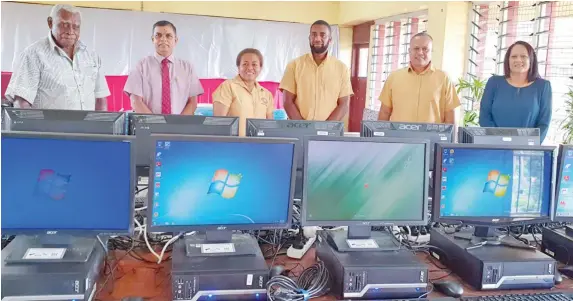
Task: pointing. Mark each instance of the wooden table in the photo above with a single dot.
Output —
(135, 278)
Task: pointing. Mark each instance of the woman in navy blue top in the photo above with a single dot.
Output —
(520, 98)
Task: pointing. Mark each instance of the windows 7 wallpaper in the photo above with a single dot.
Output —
(221, 183)
(364, 181)
(495, 183)
(59, 185)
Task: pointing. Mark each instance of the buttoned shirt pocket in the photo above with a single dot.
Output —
(88, 76)
(261, 103)
(89, 70)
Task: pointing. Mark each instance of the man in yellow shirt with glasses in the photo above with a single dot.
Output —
(317, 86)
(419, 92)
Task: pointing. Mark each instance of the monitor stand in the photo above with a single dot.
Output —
(361, 239)
(220, 243)
(490, 236)
(51, 249)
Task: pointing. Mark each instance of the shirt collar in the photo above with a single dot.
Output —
(79, 44)
(311, 58)
(240, 82)
(161, 58)
(430, 68)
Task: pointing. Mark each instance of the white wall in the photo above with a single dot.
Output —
(121, 38)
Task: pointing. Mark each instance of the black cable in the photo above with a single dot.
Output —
(312, 283)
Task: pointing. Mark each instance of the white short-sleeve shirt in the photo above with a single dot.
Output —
(47, 78)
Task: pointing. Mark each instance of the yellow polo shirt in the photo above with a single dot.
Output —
(317, 87)
(423, 97)
(243, 103)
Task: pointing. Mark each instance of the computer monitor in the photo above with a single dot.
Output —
(365, 182)
(508, 136)
(564, 191)
(61, 190)
(143, 125)
(220, 184)
(492, 186)
(558, 241)
(294, 129)
(64, 121)
(432, 131)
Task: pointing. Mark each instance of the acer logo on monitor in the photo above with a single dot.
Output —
(409, 127)
(298, 125)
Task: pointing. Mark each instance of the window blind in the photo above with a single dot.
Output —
(390, 41)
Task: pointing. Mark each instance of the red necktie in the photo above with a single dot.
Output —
(165, 88)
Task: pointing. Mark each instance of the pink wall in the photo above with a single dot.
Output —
(118, 101)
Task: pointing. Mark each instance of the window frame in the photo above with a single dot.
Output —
(385, 44)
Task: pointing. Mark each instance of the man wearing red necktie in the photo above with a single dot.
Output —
(162, 83)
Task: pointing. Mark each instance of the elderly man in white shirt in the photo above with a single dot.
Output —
(59, 72)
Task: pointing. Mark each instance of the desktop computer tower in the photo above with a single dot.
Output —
(558, 243)
(493, 267)
(235, 277)
(50, 281)
(373, 275)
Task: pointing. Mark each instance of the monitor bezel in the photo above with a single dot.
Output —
(90, 137)
(559, 176)
(224, 139)
(420, 222)
(493, 221)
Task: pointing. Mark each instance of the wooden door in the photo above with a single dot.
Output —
(359, 74)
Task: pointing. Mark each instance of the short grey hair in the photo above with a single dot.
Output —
(423, 34)
(55, 13)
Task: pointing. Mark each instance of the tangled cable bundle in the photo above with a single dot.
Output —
(312, 283)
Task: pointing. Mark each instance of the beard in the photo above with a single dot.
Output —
(319, 50)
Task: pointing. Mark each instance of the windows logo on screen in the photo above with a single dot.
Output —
(51, 184)
(496, 183)
(225, 184)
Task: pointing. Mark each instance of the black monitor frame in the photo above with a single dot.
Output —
(423, 220)
(464, 132)
(225, 227)
(560, 161)
(90, 137)
(144, 155)
(493, 221)
(120, 117)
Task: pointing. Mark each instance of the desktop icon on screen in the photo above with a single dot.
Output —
(496, 183)
(51, 184)
(225, 184)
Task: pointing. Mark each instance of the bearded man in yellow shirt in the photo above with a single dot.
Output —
(317, 86)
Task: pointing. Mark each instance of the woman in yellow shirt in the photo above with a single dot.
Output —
(242, 96)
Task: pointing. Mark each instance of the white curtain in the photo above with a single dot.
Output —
(122, 38)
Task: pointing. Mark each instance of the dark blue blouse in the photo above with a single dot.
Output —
(504, 105)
